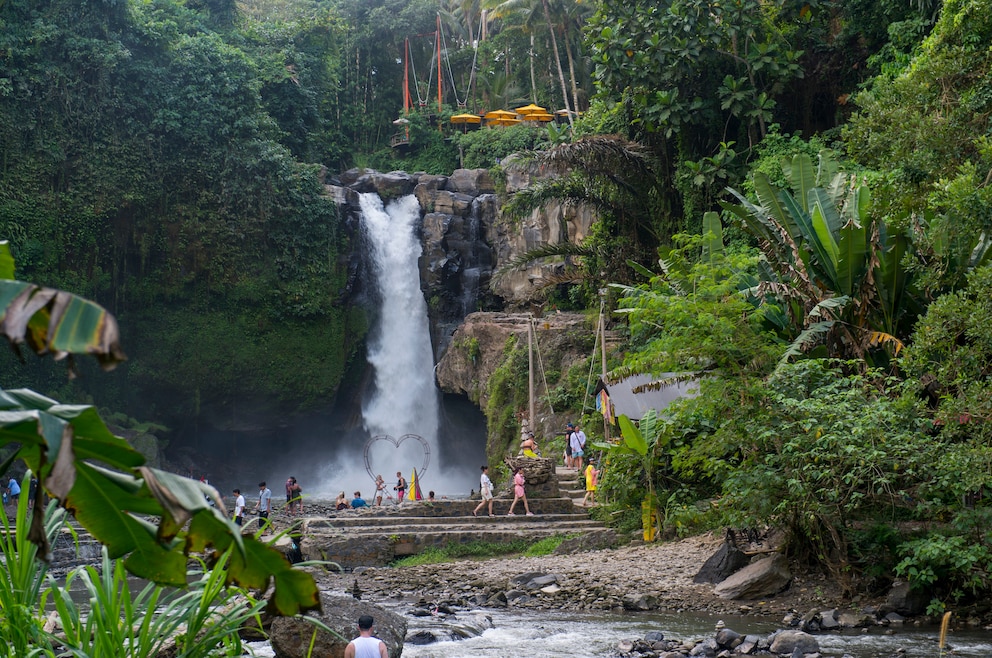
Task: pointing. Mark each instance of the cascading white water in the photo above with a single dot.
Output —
(405, 400)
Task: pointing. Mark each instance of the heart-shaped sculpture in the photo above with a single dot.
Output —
(397, 442)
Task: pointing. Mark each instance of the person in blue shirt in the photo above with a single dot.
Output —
(358, 501)
(14, 490)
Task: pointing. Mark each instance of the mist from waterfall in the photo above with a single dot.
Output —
(327, 453)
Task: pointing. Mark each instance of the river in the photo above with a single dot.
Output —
(542, 634)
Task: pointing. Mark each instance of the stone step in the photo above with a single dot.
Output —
(351, 551)
(456, 508)
(350, 520)
(503, 524)
(378, 535)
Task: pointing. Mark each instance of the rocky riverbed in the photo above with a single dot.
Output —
(635, 577)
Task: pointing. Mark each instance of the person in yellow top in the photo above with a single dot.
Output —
(592, 479)
(529, 446)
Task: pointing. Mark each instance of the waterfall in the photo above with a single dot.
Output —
(404, 399)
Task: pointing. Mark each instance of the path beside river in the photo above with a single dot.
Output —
(594, 580)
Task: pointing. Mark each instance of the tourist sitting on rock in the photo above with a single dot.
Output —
(529, 446)
(358, 501)
(341, 502)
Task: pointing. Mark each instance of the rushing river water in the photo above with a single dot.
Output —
(542, 634)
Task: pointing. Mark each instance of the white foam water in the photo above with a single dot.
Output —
(405, 399)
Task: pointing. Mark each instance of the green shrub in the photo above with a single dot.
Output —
(486, 147)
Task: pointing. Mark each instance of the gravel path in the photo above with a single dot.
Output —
(594, 580)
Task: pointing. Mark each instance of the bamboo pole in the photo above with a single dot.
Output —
(530, 370)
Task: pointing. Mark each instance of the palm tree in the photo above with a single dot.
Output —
(527, 11)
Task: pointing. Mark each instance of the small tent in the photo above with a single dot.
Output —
(634, 395)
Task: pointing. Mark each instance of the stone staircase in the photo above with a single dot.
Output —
(571, 484)
(379, 535)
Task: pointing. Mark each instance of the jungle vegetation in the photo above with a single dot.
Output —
(807, 229)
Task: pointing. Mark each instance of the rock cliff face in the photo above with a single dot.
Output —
(477, 349)
(458, 213)
(465, 239)
(553, 224)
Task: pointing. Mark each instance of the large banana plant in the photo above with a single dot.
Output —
(151, 518)
(834, 274)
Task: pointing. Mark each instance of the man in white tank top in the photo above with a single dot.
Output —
(366, 646)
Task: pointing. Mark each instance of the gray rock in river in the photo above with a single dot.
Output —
(786, 642)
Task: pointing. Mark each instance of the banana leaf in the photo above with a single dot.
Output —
(139, 513)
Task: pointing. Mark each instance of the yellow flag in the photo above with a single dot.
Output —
(412, 492)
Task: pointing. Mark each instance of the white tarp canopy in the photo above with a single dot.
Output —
(634, 405)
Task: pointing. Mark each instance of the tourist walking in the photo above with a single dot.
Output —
(263, 506)
(569, 431)
(13, 491)
(577, 440)
(592, 479)
(294, 496)
(239, 508)
(400, 487)
(518, 492)
(486, 487)
(366, 645)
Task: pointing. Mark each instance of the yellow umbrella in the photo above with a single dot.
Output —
(503, 121)
(500, 114)
(466, 118)
(531, 109)
(538, 116)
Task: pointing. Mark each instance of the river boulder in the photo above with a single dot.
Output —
(291, 636)
(766, 577)
(788, 641)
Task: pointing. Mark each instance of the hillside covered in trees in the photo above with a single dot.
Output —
(794, 207)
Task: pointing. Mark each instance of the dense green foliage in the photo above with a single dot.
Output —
(166, 159)
(151, 162)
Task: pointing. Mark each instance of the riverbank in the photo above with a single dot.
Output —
(637, 576)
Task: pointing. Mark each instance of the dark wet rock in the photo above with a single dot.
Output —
(516, 597)
(828, 620)
(721, 565)
(421, 637)
(904, 600)
(728, 638)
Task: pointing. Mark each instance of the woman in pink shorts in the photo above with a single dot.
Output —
(518, 492)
